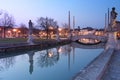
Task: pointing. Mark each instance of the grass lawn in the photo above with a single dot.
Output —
(21, 40)
(12, 40)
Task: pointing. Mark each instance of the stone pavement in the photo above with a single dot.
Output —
(113, 70)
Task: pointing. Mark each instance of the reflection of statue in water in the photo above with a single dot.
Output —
(113, 16)
(31, 54)
(30, 38)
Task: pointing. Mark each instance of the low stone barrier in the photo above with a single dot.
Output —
(96, 69)
(26, 46)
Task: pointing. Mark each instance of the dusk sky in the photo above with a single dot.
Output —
(87, 12)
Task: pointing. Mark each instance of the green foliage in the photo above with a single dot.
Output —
(12, 40)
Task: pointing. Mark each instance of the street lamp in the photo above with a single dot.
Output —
(15, 30)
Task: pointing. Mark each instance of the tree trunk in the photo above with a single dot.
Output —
(3, 32)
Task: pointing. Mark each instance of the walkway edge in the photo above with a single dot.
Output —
(96, 69)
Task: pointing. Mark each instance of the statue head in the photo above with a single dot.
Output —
(29, 20)
(113, 8)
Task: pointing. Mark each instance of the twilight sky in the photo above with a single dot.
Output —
(87, 12)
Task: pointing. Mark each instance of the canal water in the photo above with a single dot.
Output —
(59, 63)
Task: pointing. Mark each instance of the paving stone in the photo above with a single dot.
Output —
(113, 70)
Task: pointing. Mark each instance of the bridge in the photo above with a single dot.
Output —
(90, 36)
(97, 46)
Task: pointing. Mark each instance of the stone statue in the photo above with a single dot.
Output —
(30, 39)
(113, 16)
(113, 13)
(112, 35)
(30, 26)
(57, 34)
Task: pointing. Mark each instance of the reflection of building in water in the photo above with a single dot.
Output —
(48, 58)
(73, 54)
(66, 50)
(31, 54)
(85, 40)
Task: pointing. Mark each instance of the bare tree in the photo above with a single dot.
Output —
(24, 30)
(7, 21)
(46, 23)
(65, 31)
(0, 12)
(45, 59)
(65, 25)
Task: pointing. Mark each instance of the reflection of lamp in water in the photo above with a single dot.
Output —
(58, 49)
(50, 54)
(31, 61)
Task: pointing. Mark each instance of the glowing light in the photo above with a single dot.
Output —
(50, 54)
(51, 27)
(14, 30)
(19, 31)
(59, 29)
(59, 50)
(9, 31)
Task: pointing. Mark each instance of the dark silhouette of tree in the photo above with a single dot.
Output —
(46, 60)
(36, 32)
(0, 12)
(65, 25)
(6, 63)
(46, 23)
(65, 30)
(78, 28)
(24, 30)
(6, 21)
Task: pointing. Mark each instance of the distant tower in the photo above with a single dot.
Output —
(69, 33)
(73, 23)
(108, 17)
(69, 21)
(105, 23)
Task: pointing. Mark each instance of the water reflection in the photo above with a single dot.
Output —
(6, 63)
(88, 41)
(47, 58)
(31, 54)
(62, 56)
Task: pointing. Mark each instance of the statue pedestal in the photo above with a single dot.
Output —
(69, 35)
(30, 39)
(57, 38)
(112, 41)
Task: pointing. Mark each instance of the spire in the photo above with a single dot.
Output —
(105, 22)
(108, 17)
(73, 23)
(69, 21)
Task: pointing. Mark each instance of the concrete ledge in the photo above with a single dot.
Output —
(4, 48)
(96, 68)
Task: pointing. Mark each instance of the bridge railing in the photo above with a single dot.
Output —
(101, 38)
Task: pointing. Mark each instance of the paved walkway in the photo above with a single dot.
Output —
(113, 70)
